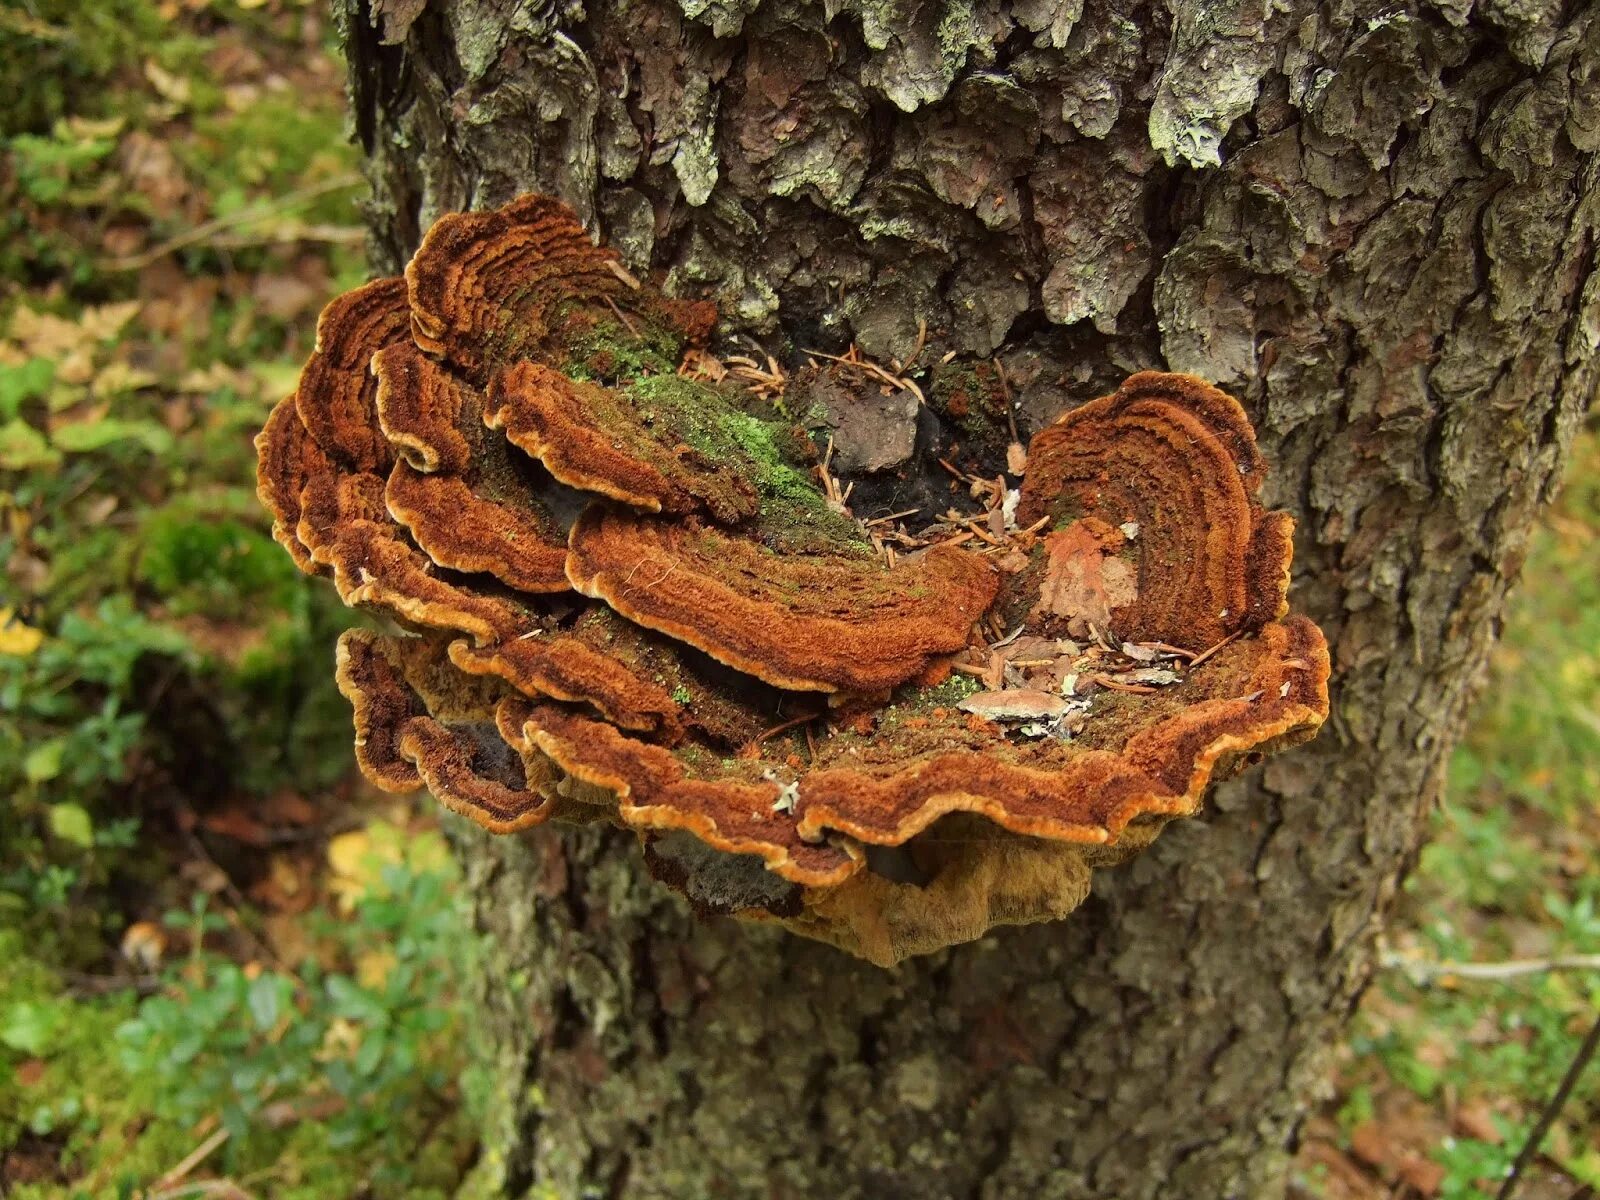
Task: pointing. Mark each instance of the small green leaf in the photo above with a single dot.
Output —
(71, 823)
(43, 763)
(27, 1027)
(25, 382)
(81, 436)
(23, 448)
(263, 1001)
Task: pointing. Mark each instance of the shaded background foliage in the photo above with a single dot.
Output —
(189, 873)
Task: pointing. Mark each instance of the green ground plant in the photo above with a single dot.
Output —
(138, 562)
(335, 1076)
(160, 657)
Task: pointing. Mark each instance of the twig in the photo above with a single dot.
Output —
(1005, 393)
(754, 745)
(1009, 638)
(244, 216)
(1205, 654)
(1116, 685)
(622, 273)
(1165, 648)
(868, 367)
(192, 1160)
(916, 353)
(891, 517)
(623, 317)
(1551, 1111)
(981, 533)
(226, 1189)
(332, 235)
(1511, 968)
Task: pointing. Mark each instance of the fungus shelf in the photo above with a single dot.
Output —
(627, 594)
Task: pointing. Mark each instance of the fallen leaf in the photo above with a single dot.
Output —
(238, 825)
(17, 639)
(284, 296)
(144, 944)
(289, 808)
(1371, 1145)
(1475, 1119)
(120, 378)
(1158, 676)
(152, 170)
(1423, 1174)
(373, 967)
(170, 87)
(1031, 648)
(286, 887)
(1084, 580)
(1014, 704)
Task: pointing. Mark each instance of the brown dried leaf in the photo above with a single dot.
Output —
(1084, 580)
(1016, 458)
(1014, 704)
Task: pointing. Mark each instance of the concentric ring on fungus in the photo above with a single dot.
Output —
(623, 596)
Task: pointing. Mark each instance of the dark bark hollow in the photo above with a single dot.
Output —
(1374, 223)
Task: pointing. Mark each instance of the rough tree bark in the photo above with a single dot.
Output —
(1374, 222)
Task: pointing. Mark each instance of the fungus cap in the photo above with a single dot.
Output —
(803, 622)
(623, 596)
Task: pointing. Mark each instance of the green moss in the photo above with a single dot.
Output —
(610, 352)
(910, 701)
(795, 517)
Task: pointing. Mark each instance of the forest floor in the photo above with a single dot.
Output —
(232, 970)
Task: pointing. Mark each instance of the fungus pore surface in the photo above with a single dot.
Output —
(620, 588)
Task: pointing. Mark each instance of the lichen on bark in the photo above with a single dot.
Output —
(1374, 223)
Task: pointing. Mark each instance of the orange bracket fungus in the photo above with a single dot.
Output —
(622, 589)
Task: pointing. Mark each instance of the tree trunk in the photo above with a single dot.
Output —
(1375, 223)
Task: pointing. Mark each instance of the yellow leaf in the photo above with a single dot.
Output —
(373, 967)
(16, 639)
(170, 87)
(356, 860)
(119, 378)
(105, 321)
(85, 129)
(429, 854)
(45, 335)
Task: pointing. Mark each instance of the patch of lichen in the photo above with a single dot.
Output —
(794, 515)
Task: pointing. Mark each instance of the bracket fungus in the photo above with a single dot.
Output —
(620, 591)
